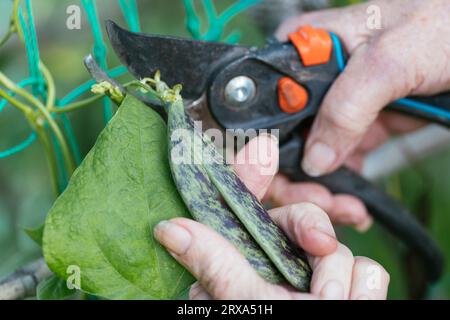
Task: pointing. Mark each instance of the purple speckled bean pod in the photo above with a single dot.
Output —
(216, 197)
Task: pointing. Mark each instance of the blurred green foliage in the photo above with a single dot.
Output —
(25, 193)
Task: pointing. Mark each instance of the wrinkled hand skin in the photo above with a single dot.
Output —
(409, 55)
(224, 273)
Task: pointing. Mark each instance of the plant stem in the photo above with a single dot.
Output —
(15, 19)
(13, 24)
(70, 165)
(23, 282)
(77, 105)
(16, 103)
(40, 130)
(51, 158)
(50, 87)
(86, 102)
(7, 35)
(42, 134)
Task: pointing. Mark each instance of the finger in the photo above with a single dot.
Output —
(220, 269)
(355, 161)
(343, 209)
(346, 114)
(398, 123)
(379, 132)
(332, 274)
(308, 226)
(349, 210)
(370, 280)
(257, 163)
(388, 123)
(197, 292)
(284, 192)
(376, 135)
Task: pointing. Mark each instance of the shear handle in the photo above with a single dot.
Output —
(387, 211)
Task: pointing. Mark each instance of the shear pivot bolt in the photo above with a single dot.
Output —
(240, 90)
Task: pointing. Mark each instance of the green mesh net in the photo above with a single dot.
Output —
(38, 89)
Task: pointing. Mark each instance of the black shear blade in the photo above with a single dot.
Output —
(188, 62)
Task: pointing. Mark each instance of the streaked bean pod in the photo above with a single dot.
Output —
(216, 197)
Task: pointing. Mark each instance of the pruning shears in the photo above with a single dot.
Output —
(279, 86)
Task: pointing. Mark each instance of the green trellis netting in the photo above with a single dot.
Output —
(23, 23)
(198, 13)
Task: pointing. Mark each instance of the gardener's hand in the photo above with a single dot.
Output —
(341, 208)
(408, 56)
(223, 273)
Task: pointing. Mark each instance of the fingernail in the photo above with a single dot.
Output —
(172, 236)
(333, 290)
(318, 159)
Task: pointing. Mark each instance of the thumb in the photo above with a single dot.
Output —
(219, 267)
(257, 163)
(373, 78)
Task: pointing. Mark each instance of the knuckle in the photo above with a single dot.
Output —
(297, 214)
(389, 61)
(307, 213)
(301, 217)
(348, 119)
(304, 207)
(318, 195)
(382, 50)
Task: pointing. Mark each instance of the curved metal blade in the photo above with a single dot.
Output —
(100, 75)
(188, 62)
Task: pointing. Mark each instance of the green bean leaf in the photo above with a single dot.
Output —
(54, 288)
(102, 224)
(35, 234)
